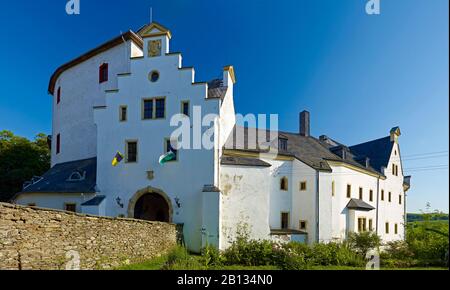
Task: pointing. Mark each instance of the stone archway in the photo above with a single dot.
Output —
(151, 204)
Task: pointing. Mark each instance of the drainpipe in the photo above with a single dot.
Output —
(378, 203)
(317, 206)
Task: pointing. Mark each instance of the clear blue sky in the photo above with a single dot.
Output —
(359, 75)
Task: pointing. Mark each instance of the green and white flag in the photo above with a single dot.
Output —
(169, 156)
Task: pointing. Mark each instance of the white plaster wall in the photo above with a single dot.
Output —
(392, 212)
(326, 205)
(73, 117)
(183, 179)
(245, 201)
(280, 201)
(53, 200)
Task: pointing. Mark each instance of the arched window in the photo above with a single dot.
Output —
(103, 73)
(284, 184)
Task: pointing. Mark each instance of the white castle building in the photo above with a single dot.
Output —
(121, 96)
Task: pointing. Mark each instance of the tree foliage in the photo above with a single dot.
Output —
(20, 160)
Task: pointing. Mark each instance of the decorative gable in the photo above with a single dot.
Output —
(153, 30)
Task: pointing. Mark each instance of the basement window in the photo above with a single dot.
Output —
(72, 207)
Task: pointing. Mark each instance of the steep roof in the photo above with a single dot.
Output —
(57, 179)
(310, 150)
(130, 35)
(378, 151)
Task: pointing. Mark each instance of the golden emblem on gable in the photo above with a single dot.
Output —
(154, 48)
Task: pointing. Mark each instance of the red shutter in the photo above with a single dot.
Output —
(58, 143)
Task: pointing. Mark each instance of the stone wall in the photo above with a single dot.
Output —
(32, 238)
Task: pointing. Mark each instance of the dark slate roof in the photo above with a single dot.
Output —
(56, 180)
(216, 90)
(309, 150)
(359, 205)
(379, 151)
(96, 201)
(243, 161)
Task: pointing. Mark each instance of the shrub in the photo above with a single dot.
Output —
(363, 242)
(211, 256)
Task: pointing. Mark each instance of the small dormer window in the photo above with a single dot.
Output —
(282, 144)
(77, 176)
(103, 73)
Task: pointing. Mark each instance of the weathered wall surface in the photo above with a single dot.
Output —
(33, 238)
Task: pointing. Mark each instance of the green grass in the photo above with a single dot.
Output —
(160, 262)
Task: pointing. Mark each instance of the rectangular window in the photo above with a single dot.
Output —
(303, 186)
(58, 96)
(284, 184)
(303, 225)
(393, 169)
(387, 228)
(400, 199)
(169, 147)
(123, 113)
(371, 225)
(362, 225)
(131, 151)
(72, 207)
(333, 188)
(147, 113)
(160, 109)
(282, 144)
(103, 73)
(382, 194)
(371, 195)
(390, 197)
(396, 229)
(284, 221)
(349, 191)
(58, 143)
(185, 108)
(361, 193)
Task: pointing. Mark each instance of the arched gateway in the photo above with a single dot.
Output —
(150, 204)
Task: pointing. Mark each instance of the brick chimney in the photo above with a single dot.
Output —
(305, 129)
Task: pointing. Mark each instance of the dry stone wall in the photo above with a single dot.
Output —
(43, 239)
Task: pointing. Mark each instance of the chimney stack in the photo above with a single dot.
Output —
(305, 129)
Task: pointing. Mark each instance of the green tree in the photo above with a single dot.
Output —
(20, 160)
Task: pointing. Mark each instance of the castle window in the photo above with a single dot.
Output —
(131, 149)
(396, 229)
(361, 193)
(333, 188)
(185, 108)
(390, 197)
(58, 143)
(284, 220)
(123, 113)
(382, 194)
(362, 225)
(387, 228)
(371, 225)
(303, 186)
(349, 191)
(58, 96)
(147, 113)
(284, 184)
(103, 73)
(154, 76)
(282, 144)
(400, 199)
(160, 108)
(371, 195)
(303, 225)
(72, 207)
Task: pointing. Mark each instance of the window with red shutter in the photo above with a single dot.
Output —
(103, 73)
(58, 144)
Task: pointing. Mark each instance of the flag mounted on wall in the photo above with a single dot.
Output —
(169, 156)
(117, 159)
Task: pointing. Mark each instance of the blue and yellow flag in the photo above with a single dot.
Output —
(117, 159)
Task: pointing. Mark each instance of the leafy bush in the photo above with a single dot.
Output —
(211, 256)
(363, 242)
